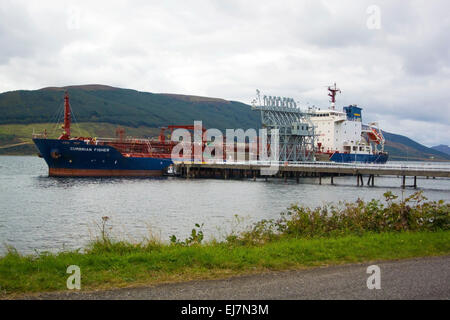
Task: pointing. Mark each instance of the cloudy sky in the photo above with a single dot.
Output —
(390, 57)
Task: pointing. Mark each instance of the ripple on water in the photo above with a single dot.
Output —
(42, 213)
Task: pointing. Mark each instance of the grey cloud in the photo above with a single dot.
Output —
(399, 74)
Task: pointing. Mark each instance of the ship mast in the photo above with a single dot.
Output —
(66, 126)
(333, 91)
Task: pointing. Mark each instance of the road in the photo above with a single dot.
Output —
(422, 278)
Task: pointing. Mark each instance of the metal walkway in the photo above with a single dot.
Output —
(253, 169)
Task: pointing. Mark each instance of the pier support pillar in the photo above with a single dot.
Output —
(370, 181)
(360, 181)
(404, 182)
(415, 182)
(332, 179)
(320, 178)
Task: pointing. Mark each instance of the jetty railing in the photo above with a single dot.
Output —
(241, 169)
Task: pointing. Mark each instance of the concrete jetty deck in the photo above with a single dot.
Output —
(253, 169)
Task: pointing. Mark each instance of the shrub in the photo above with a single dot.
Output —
(414, 213)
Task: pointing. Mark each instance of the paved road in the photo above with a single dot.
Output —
(424, 278)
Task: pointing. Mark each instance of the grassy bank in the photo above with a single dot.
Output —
(302, 237)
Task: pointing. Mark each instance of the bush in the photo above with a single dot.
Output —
(414, 213)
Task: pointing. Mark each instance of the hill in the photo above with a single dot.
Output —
(404, 148)
(97, 103)
(98, 109)
(442, 148)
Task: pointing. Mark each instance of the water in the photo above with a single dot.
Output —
(39, 213)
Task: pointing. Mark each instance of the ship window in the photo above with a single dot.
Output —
(355, 148)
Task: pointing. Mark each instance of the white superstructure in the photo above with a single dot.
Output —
(343, 132)
(336, 133)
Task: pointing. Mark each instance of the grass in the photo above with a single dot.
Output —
(302, 237)
(123, 264)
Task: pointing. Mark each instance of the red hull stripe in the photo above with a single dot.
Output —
(58, 172)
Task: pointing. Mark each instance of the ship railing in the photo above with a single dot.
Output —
(39, 135)
(127, 140)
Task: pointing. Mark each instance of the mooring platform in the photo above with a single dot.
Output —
(256, 169)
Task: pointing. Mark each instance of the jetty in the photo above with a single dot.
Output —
(297, 170)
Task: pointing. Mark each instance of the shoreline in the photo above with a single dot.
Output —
(301, 237)
(172, 264)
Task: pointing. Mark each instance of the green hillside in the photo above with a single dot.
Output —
(442, 148)
(96, 103)
(406, 149)
(99, 109)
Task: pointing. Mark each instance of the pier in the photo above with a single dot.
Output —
(297, 170)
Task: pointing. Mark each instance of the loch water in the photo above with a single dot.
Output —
(40, 213)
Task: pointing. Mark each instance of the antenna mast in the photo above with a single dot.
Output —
(66, 126)
(333, 91)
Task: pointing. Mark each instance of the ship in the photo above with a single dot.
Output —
(341, 136)
(102, 157)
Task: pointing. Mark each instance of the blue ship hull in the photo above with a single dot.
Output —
(77, 158)
(363, 158)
